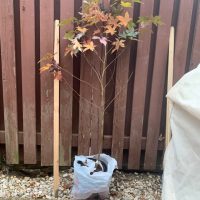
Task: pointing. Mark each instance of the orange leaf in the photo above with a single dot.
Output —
(111, 30)
(118, 43)
(47, 57)
(112, 21)
(81, 29)
(89, 46)
(102, 17)
(45, 67)
(124, 20)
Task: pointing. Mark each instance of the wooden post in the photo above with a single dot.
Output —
(169, 85)
(56, 113)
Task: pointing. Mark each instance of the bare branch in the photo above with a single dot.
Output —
(110, 50)
(115, 97)
(94, 69)
(68, 72)
(118, 55)
(113, 72)
(67, 83)
(98, 56)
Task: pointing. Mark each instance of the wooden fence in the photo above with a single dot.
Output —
(135, 124)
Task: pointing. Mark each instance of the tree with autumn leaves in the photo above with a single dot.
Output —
(104, 25)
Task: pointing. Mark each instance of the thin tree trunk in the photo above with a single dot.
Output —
(103, 82)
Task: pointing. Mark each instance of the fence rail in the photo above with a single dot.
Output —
(134, 129)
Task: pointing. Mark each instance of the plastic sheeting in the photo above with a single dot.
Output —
(86, 184)
(181, 179)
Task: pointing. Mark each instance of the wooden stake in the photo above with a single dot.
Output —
(169, 85)
(56, 113)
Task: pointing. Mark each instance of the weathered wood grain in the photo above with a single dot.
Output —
(46, 46)
(27, 17)
(182, 38)
(139, 90)
(158, 83)
(66, 93)
(9, 81)
(89, 123)
(195, 59)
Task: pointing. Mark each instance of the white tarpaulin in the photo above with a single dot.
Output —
(85, 183)
(181, 180)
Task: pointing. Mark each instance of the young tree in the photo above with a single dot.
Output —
(104, 28)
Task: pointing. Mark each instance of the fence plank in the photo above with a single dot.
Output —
(66, 94)
(1, 89)
(158, 82)
(139, 90)
(1, 93)
(9, 81)
(89, 124)
(122, 77)
(84, 109)
(195, 59)
(27, 17)
(46, 46)
(90, 139)
(182, 38)
(96, 125)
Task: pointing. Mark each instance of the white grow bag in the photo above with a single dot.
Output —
(86, 184)
(181, 180)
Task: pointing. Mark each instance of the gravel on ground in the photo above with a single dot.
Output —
(124, 186)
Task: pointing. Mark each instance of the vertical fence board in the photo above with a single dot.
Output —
(89, 124)
(139, 91)
(195, 59)
(46, 46)
(85, 109)
(182, 38)
(1, 91)
(9, 81)
(158, 82)
(27, 17)
(66, 11)
(85, 115)
(89, 112)
(96, 126)
(121, 85)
